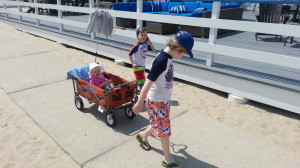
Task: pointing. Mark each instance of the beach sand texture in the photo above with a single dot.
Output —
(24, 144)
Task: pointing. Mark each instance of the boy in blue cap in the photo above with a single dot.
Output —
(157, 92)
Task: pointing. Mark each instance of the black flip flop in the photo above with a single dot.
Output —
(144, 144)
(171, 165)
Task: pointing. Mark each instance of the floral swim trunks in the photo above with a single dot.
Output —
(159, 113)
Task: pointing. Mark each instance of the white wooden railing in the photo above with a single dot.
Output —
(214, 23)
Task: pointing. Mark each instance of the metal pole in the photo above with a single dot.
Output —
(213, 31)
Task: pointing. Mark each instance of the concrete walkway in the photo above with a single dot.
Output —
(47, 97)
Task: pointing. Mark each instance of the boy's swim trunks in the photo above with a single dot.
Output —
(159, 113)
(139, 73)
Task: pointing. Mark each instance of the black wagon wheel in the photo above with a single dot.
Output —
(78, 103)
(111, 120)
(134, 100)
(129, 113)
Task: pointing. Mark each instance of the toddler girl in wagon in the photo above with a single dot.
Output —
(97, 77)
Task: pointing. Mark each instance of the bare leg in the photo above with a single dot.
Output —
(144, 134)
(166, 149)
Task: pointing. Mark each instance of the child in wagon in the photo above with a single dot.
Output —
(97, 77)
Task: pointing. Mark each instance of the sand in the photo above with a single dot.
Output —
(24, 144)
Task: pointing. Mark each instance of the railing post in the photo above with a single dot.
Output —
(5, 8)
(20, 10)
(92, 5)
(36, 12)
(213, 32)
(60, 16)
(139, 9)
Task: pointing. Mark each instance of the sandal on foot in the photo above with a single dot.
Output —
(144, 144)
(171, 165)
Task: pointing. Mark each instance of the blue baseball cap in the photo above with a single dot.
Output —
(186, 40)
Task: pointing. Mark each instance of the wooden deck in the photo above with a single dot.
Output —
(278, 86)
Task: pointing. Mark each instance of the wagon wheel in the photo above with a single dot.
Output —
(111, 120)
(129, 113)
(134, 100)
(78, 103)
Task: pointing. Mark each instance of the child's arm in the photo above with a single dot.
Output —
(151, 44)
(132, 62)
(133, 49)
(106, 82)
(137, 108)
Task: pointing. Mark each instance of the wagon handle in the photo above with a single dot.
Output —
(124, 84)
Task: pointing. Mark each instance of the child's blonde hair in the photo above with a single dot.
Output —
(175, 45)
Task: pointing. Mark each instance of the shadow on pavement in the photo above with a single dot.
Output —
(123, 125)
(186, 161)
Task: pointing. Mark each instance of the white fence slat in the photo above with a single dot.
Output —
(288, 30)
(213, 32)
(60, 16)
(139, 9)
(36, 12)
(51, 19)
(276, 59)
(5, 9)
